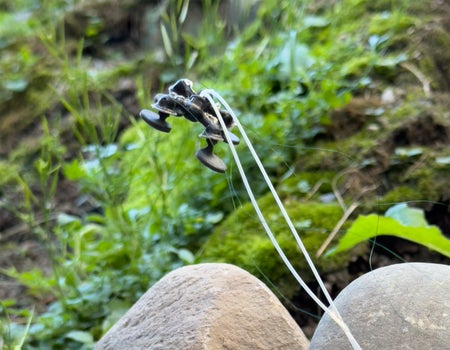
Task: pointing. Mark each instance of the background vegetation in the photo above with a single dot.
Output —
(346, 103)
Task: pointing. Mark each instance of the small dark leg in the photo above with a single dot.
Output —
(158, 121)
(209, 159)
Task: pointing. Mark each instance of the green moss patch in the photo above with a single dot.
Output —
(241, 240)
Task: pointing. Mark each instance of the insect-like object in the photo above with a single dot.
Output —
(183, 101)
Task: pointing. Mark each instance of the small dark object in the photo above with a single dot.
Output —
(182, 100)
(155, 120)
(209, 159)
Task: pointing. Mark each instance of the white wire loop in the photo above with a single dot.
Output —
(331, 310)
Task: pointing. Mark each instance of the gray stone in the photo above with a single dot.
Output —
(206, 306)
(404, 306)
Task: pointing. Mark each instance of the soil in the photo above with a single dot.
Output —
(20, 249)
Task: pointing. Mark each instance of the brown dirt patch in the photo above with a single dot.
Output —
(424, 130)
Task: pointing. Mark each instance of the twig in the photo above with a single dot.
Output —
(336, 192)
(336, 229)
(415, 166)
(420, 76)
(314, 189)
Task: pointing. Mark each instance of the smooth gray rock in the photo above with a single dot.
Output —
(404, 306)
(206, 306)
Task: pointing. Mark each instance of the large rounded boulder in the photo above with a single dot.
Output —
(403, 306)
(206, 306)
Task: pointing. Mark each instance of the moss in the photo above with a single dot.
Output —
(434, 46)
(399, 194)
(423, 184)
(241, 240)
(412, 105)
(9, 172)
(425, 178)
(432, 182)
(338, 155)
(302, 183)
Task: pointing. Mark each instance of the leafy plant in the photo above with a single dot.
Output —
(185, 47)
(13, 335)
(399, 221)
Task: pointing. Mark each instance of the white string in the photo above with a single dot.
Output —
(332, 311)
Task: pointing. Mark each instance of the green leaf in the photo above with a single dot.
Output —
(369, 226)
(391, 61)
(315, 22)
(81, 337)
(443, 160)
(66, 219)
(75, 170)
(186, 256)
(214, 218)
(407, 216)
(166, 41)
(408, 152)
(102, 151)
(17, 85)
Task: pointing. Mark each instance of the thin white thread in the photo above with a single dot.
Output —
(332, 311)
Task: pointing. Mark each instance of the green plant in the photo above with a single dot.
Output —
(13, 334)
(399, 221)
(186, 44)
(17, 69)
(171, 28)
